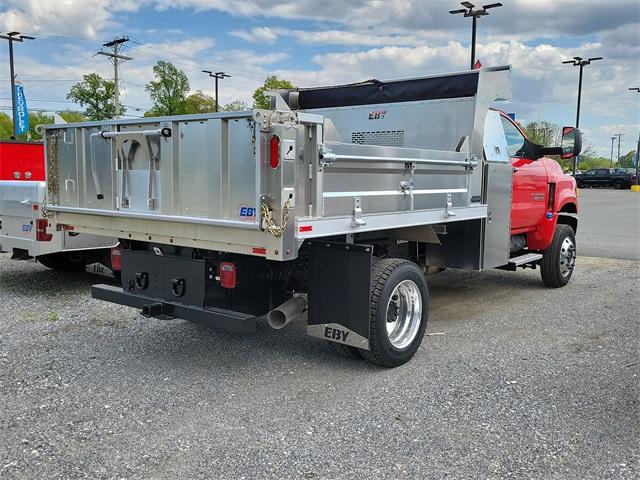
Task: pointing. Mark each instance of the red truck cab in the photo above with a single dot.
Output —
(542, 195)
(22, 161)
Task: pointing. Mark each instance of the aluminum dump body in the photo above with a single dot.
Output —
(261, 182)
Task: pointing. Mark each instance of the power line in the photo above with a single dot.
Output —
(217, 76)
(116, 58)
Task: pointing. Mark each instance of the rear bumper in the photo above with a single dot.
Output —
(153, 307)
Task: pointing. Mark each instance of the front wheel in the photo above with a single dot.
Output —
(399, 312)
(559, 259)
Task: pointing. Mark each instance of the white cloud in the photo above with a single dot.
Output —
(257, 35)
(68, 17)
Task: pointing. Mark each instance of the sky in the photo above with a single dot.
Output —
(324, 42)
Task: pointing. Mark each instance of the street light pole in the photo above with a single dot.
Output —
(579, 62)
(217, 76)
(14, 37)
(637, 89)
(611, 159)
(469, 11)
(619, 135)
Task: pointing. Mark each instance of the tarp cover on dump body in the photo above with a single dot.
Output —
(374, 91)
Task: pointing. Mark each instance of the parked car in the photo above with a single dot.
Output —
(605, 177)
(629, 171)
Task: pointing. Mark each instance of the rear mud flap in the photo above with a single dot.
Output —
(339, 292)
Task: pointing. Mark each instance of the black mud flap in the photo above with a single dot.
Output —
(339, 292)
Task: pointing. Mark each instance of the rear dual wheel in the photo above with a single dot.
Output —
(398, 314)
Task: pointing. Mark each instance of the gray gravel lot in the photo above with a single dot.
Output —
(515, 381)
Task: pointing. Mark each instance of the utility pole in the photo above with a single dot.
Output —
(637, 89)
(116, 58)
(579, 62)
(217, 76)
(14, 37)
(611, 159)
(469, 11)
(619, 135)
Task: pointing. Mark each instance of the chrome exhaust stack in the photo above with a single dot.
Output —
(279, 317)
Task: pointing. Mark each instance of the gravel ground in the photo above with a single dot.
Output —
(514, 381)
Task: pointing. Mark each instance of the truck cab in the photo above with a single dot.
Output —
(542, 195)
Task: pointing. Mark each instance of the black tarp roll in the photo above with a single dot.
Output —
(450, 86)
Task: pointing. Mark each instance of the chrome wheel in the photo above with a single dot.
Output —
(404, 314)
(567, 256)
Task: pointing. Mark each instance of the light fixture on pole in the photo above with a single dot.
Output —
(14, 37)
(217, 76)
(469, 11)
(579, 62)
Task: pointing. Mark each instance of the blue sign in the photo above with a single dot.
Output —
(21, 115)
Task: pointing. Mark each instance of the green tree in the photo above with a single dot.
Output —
(260, 100)
(235, 106)
(200, 102)
(6, 126)
(72, 117)
(626, 161)
(96, 95)
(36, 119)
(168, 91)
(543, 133)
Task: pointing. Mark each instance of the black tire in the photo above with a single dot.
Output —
(558, 261)
(64, 261)
(386, 275)
(347, 350)
(579, 185)
(619, 185)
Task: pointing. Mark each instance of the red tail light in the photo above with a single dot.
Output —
(116, 259)
(274, 152)
(227, 275)
(41, 230)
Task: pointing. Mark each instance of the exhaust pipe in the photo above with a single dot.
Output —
(280, 316)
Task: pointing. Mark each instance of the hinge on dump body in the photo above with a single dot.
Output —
(358, 218)
(449, 207)
(266, 118)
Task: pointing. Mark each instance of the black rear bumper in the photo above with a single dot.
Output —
(153, 307)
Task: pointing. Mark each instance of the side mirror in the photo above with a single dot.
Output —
(571, 142)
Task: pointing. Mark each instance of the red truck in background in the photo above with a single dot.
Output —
(25, 232)
(22, 161)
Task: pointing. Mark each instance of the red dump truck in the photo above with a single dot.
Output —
(330, 207)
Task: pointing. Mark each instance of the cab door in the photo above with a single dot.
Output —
(530, 189)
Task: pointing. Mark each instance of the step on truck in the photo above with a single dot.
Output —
(330, 207)
(25, 230)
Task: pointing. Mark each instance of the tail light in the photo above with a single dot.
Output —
(41, 230)
(227, 275)
(116, 259)
(274, 152)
